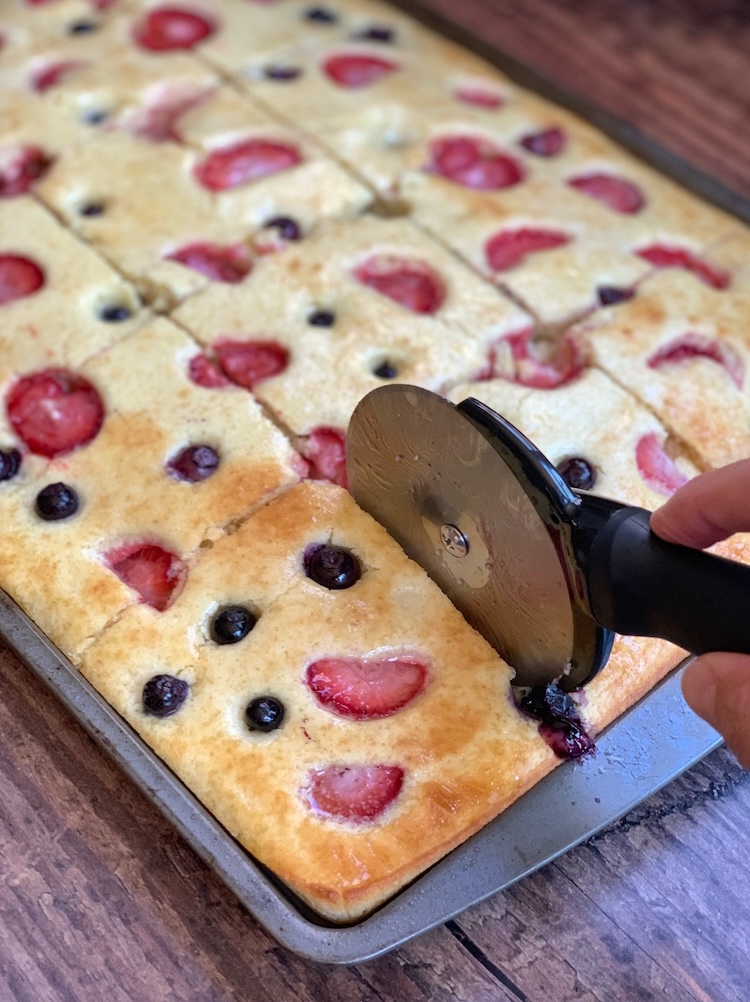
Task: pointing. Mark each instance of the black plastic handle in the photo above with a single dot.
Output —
(641, 585)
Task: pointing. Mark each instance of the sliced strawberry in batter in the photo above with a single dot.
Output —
(159, 118)
(248, 363)
(614, 192)
(412, 284)
(245, 161)
(366, 689)
(480, 97)
(474, 162)
(658, 470)
(204, 371)
(680, 257)
(692, 345)
(508, 248)
(54, 411)
(547, 143)
(519, 359)
(152, 572)
(19, 277)
(325, 452)
(355, 793)
(165, 28)
(51, 74)
(229, 263)
(357, 70)
(20, 168)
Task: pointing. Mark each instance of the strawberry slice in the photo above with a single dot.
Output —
(51, 74)
(230, 263)
(692, 345)
(21, 168)
(204, 371)
(325, 452)
(547, 143)
(245, 161)
(248, 363)
(159, 118)
(19, 277)
(517, 358)
(474, 163)
(152, 572)
(355, 793)
(54, 411)
(365, 689)
(356, 70)
(508, 248)
(614, 192)
(659, 472)
(679, 257)
(163, 29)
(479, 97)
(412, 284)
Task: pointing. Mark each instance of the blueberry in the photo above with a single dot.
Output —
(610, 294)
(288, 228)
(385, 371)
(10, 463)
(577, 473)
(232, 624)
(95, 117)
(332, 566)
(322, 318)
(114, 314)
(282, 72)
(163, 695)
(559, 721)
(194, 463)
(56, 501)
(321, 14)
(264, 713)
(376, 34)
(92, 209)
(82, 27)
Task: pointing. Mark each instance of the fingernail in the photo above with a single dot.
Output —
(699, 690)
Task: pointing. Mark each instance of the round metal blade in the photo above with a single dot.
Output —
(426, 473)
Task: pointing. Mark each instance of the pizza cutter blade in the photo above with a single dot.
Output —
(546, 574)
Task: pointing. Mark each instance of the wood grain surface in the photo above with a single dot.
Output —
(101, 900)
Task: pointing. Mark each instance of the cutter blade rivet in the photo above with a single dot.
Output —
(454, 540)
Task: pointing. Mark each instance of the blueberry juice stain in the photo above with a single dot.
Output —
(560, 722)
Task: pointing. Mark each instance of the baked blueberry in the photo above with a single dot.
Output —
(282, 72)
(232, 624)
(376, 33)
(264, 713)
(56, 501)
(321, 14)
(10, 463)
(163, 695)
(577, 473)
(288, 229)
(610, 294)
(332, 566)
(385, 371)
(95, 117)
(92, 209)
(194, 463)
(559, 721)
(82, 27)
(322, 318)
(114, 314)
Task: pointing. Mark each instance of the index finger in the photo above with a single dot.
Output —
(708, 508)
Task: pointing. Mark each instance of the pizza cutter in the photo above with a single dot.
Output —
(545, 573)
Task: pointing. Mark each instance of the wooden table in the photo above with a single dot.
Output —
(101, 900)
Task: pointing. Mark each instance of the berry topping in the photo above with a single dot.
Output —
(92, 209)
(690, 346)
(56, 501)
(54, 411)
(560, 723)
(320, 14)
(614, 192)
(474, 162)
(322, 318)
(52, 74)
(232, 624)
(230, 263)
(412, 284)
(205, 371)
(82, 27)
(163, 695)
(355, 793)
(544, 144)
(152, 572)
(287, 228)
(194, 463)
(162, 29)
(331, 566)
(540, 365)
(679, 257)
(264, 713)
(18, 173)
(325, 452)
(157, 120)
(658, 470)
(282, 72)
(19, 277)
(247, 363)
(479, 97)
(376, 33)
(115, 314)
(363, 689)
(385, 371)
(10, 463)
(508, 248)
(609, 295)
(355, 70)
(248, 160)
(95, 117)
(577, 473)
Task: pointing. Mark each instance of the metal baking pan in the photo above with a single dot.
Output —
(647, 747)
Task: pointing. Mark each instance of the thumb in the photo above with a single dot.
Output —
(717, 688)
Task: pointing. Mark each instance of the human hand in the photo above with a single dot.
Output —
(708, 508)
